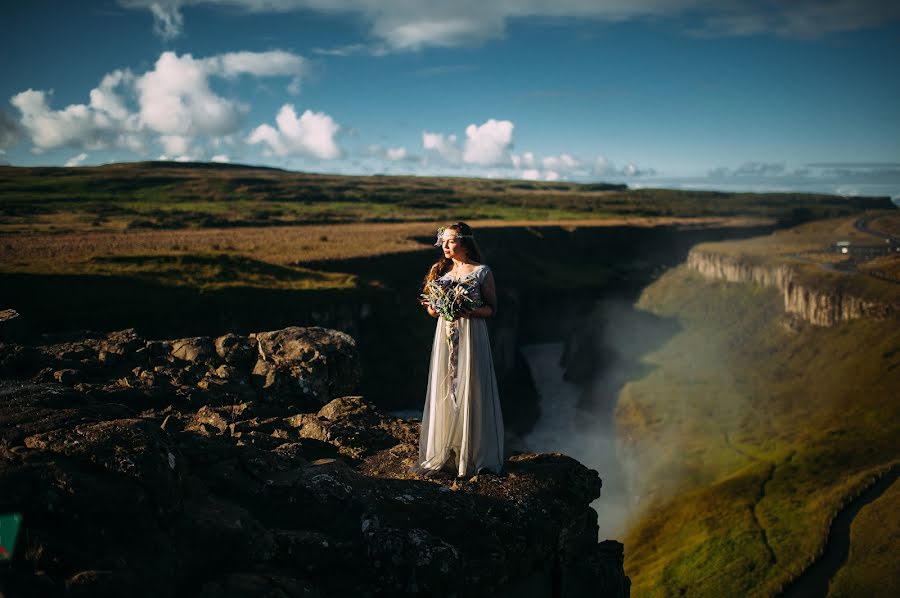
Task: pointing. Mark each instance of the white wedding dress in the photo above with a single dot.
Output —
(462, 424)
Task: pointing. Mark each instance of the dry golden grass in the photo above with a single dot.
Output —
(281, 245)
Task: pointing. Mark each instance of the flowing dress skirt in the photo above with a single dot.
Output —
(461, 423)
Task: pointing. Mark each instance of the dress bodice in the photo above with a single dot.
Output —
(477, 275)
(473, 280)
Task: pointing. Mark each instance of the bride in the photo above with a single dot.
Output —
(462, 426)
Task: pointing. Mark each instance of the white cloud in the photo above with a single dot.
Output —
(89, 126)
(76, 160)
(396, 153)
(445, 146)
(525, 160)
(312, 134)
(551, 175)
(602, 166)
(175, 144)
(391, 154)
(259, 64)
(446, 28)
(167, 20)
(606, 168)
(488, 144)
(562, 162)
(408, 25)
(220, 158)
(172, 104)
(531, 174)
(175, 98)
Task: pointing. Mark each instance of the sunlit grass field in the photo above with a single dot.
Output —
(178, 196)
(748, 435)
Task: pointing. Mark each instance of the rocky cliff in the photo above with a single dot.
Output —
(244, 466)
(821, 305)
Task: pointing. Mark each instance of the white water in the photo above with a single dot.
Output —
(563, 428)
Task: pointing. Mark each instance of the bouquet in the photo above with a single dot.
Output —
(450, 298)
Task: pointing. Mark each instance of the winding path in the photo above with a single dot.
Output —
(813, 582)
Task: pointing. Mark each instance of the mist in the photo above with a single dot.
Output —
(579, 381)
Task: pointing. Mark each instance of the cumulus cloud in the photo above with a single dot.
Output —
(220, 158)
(488, 144)
(405, 25)
(76, 160)
(310, 134)
(172, 104)
(525, 160)
(548, 168)
(175, 144)
(563, 162)
(392, 154)
(90, 126)
(445, 145)
(175, 98)
(604, 167)
(396, 153)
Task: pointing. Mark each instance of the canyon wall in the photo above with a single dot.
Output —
(818, 305)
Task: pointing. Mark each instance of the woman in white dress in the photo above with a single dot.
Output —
(462, 426)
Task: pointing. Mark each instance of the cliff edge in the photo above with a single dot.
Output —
(823, 270)
(243, 465)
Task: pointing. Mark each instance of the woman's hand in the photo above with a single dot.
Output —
(431, 311)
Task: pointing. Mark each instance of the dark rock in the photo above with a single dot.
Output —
(238, 585)
(18, 362)
(308, 362)
(226, 372)
(123, 342)
(171, 424)
(12, 326)
(199, 349)
(68, 376)
(237, 351)
(230, 493)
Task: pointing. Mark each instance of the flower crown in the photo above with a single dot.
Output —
(443, 229)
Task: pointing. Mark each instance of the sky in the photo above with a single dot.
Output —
(731, 95)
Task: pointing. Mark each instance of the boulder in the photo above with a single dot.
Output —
(198, 349)
(237, 351)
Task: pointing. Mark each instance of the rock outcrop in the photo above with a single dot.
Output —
(818, 306)
(243, 466)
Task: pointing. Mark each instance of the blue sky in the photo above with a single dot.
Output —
(747, 95)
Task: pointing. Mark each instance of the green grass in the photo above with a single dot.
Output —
(748, 435)
(872, 567)
(194, 195)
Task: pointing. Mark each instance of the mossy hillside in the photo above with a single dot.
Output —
(872, 568)
(748, 435)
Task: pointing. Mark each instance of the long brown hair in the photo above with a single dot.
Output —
(444, 264)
